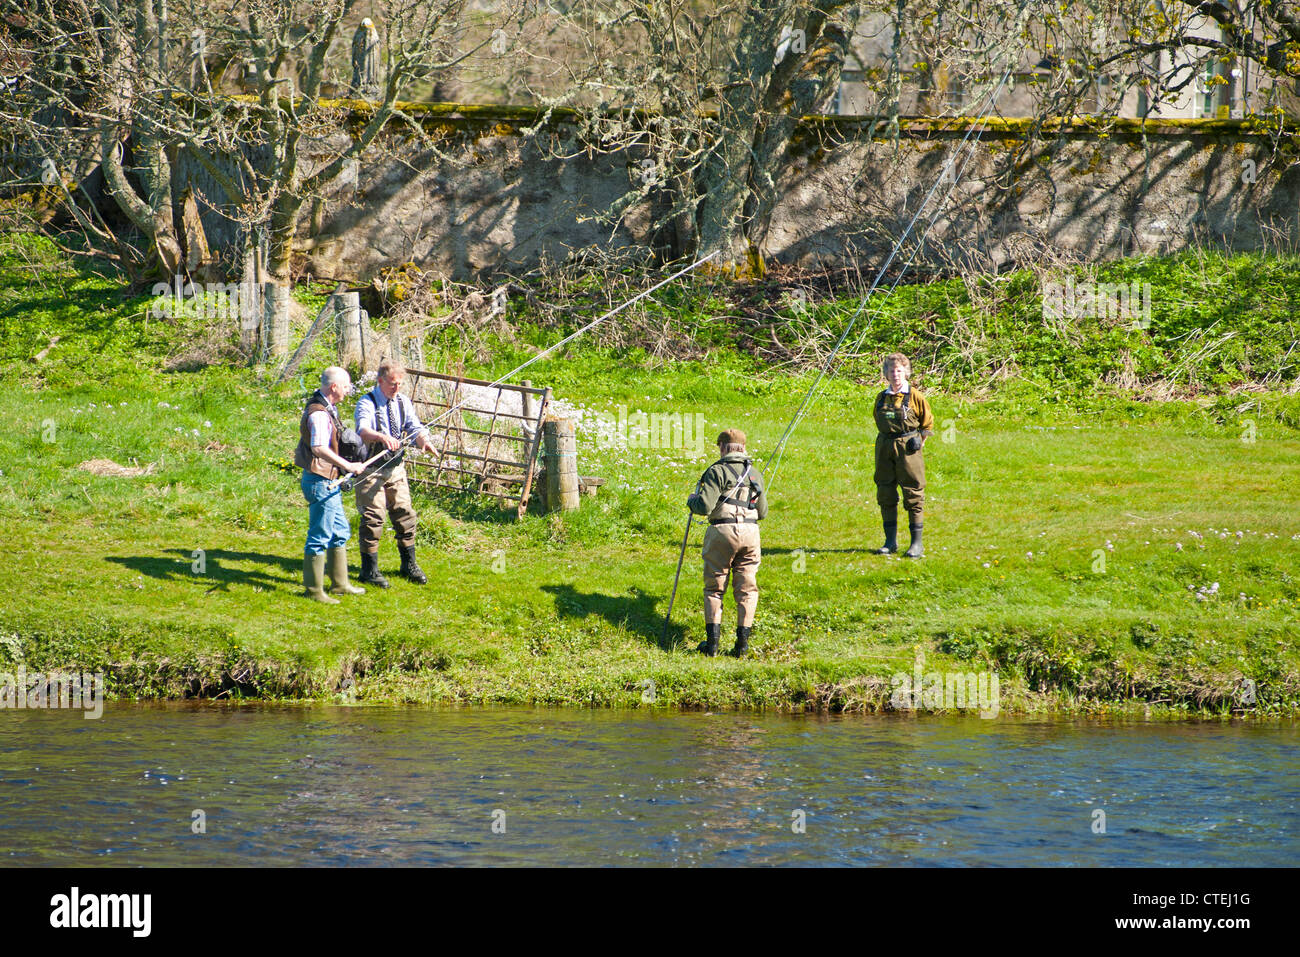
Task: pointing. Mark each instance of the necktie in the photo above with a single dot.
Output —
(392, 428)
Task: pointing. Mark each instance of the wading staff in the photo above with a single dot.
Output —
(690, 517)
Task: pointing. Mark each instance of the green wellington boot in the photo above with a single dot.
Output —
(338, 563)
(313, 577)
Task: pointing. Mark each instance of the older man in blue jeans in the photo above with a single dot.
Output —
(318, 456)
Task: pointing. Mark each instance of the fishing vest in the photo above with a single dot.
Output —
(736, 504)
(303, 456)
(894, 419)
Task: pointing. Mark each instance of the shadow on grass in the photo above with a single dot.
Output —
(818, 551)
(640, 613)
(218, 573)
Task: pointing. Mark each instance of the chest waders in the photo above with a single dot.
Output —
(899, 464)
(713, 630)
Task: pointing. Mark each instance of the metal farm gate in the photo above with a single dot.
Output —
(485, 435)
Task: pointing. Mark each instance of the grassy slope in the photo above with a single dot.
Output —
(102, 572)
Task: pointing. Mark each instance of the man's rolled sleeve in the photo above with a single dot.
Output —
(319, 424)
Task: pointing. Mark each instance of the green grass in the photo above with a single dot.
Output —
(569, 609)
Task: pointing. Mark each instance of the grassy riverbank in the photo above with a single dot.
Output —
(1074, 538)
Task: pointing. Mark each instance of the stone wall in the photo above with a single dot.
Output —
(479, 197)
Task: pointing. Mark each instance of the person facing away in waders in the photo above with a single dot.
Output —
(730, 493)
(904, 419)
(318, 456)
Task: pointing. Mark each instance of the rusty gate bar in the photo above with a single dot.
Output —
(506, 430)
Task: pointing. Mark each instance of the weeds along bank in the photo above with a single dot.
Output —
(1092, 546)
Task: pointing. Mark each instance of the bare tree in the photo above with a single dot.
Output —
(712, 95)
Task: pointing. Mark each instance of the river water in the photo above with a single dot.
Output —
(304, 785)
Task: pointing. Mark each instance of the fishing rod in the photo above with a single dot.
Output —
(952, 176)
(949, 173)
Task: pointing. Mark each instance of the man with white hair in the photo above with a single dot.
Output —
(318, 456)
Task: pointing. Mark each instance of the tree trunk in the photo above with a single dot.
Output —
(727, 172)
(284, 227)
(812, 90)
(152, 215)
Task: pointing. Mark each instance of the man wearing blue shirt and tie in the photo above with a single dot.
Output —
(385, 418)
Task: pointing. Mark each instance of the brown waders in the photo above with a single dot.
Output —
(896, 467)
(730, 493)
(387, 492)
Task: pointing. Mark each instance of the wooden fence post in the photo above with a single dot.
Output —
(275, 319)
(560, 451)
(347, 309)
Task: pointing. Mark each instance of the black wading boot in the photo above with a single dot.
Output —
(914, 550)
(370, 573)
(891, 539)
(709, 645)
(889, 521)
(742, 641)
(410, 570)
